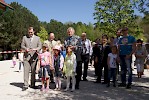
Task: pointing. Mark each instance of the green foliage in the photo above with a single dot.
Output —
(43, 34)
(14, 24)
(109, 14)
(114, 14)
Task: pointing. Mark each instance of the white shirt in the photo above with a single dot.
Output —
(113, 58)
(88, 47)
(20, 56)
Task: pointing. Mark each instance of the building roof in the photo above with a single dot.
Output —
(5, 4)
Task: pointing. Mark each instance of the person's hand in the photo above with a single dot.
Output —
(28, 49)
(96, 59)
(52, 68)
(34, 49)
(60, 69)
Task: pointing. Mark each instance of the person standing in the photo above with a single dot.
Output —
(116, 41)
(112, 59)
(141, 54)
(96, 55)
(105, 50)
(70, 68)
(20, 56)
(14, 60)
(58, 62)
(86, 54)
(127, 46)
(74, 43)
(45, 63)
(51, 43)
(31, 44)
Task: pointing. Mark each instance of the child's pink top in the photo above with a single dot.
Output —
(44, 58)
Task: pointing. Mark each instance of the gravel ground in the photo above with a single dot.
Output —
(12, 81)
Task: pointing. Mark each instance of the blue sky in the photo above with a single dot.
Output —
(61, 10)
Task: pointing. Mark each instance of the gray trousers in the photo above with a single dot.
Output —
(27, 67)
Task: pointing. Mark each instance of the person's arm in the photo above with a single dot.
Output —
(61, 62)
(39, 45)
(51, 62)
(75, 63)
(23, 44)
(133, 48)
(19, 56)
(144, 53)
(108, 61)
(90, 48)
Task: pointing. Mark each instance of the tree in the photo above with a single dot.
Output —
(43, 34)
(113, 14)
(14, 24)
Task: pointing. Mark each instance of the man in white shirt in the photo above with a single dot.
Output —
(86, 54)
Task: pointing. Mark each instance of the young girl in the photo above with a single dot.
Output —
(58, 62)
(140, 57)
(14, 59)
(45, 65)
(112, 59)
(70, 68)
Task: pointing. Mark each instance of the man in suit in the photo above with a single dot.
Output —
(31, 44)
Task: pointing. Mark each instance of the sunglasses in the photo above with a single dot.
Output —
(30, 32)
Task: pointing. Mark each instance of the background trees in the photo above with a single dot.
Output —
(109, 15)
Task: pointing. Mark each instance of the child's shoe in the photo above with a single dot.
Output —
(66, 89)
(42, 89)
(72, 90)
(47, 89)
(59, 89)
(55, 89)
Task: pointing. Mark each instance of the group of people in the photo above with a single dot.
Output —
(54, 59)
(118, 53)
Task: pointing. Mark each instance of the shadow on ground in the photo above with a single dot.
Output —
(94, 91)
(20, 85)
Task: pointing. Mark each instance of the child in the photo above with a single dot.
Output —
(70, 68)
(140, 57)
(45, 65)
(112, 59)
(14, 60)
(58, 62)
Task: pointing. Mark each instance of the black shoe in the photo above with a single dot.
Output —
(114, 85)
(32, 86)
(108, 85)
(122, 85)
(128, 86)
(77, 87)
(24, 88)
(85, 79)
